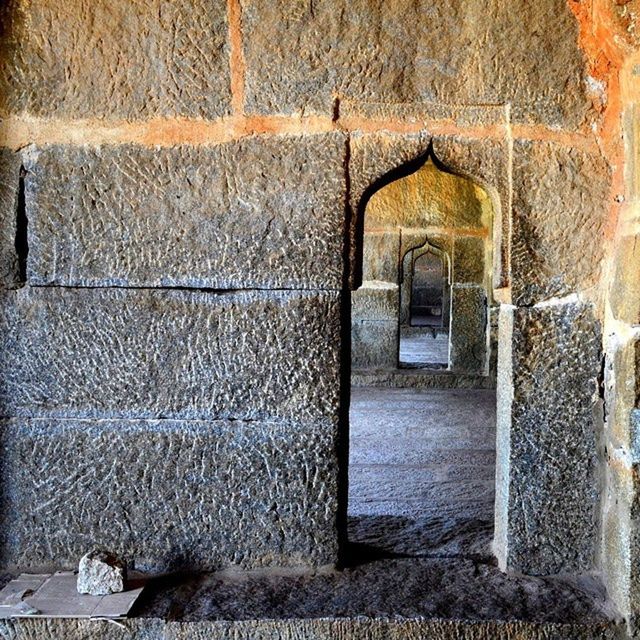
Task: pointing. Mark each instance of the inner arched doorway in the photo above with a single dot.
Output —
(422, 450)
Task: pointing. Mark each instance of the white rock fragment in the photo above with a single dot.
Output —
(101, 573)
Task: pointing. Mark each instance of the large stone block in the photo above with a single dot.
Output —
(374, 344)
(461, 52)
(167, 494)
(9, 213)
(84, 59)
(381, 256)
(560, 206)
(469, 263)
(169, 354)
(468, 339)
(548, 416)
(262, 212)
(375, 301)
(624, 287)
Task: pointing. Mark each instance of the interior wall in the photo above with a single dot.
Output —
(450, 213)
(175, 254)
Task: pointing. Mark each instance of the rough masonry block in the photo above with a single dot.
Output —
(459, 52)
(469, 262)
(560, 206)
(169, 354)
(84, 59)
(9, 194)
(548, 415)
(166, 494)
(374, 344)
(468, 336)
(375, 301)
(381, 256)
(261, 212)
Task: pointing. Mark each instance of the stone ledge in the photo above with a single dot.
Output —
(408, 599)
(419, 379)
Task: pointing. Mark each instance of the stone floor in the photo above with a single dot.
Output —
(422, 347)
(422, 471)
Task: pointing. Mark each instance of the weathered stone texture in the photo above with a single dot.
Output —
(362, 627)
(551, 417)
(375, 301)
(469, 259)
(9, 190)
(428, 196)
(100, 573)
(167, 495)
(381, 256)
(560, 206)
(171, 354)
(374, 155)
(468, 340)
(457, 52)
(262, 212)
(374, 344)
(86, 59)
(624, 288)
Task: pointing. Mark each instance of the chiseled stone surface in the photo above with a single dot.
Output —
(375, 301)
(9, 189)
(624, 287)
(560, 206)
(402, 599)
(381, 255)
(551, 412)
(166, 495)
(260, 212)
(429, 196)
(462, 53)
(86, 59)
(171, 354)
(374, 344)
(469, 259)
(294, 629)
(468, 349)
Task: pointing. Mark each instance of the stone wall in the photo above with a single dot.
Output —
(176, 255)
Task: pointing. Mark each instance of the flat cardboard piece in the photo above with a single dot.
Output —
(56, 596)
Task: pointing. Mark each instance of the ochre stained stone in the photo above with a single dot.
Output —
(261, 212)
(429, 197)
(463, 52)
(119, 353)
(168, 495)
(469, 264)
(560, 205)
(86, 59)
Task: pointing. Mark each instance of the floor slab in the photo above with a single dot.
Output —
(422, 472)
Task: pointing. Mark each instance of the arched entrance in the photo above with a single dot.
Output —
(422, 451)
